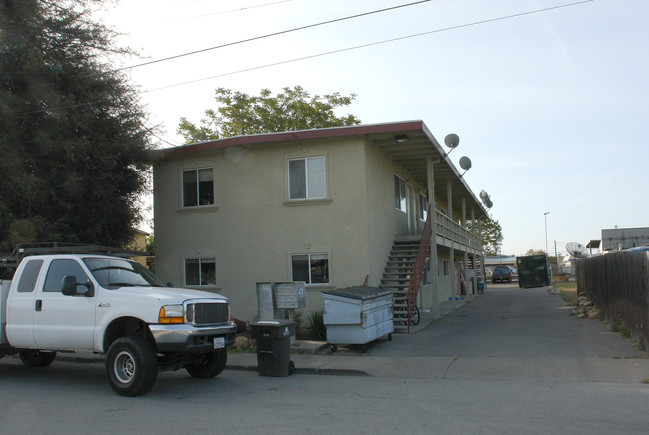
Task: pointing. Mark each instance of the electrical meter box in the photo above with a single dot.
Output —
(290, 295)
(268, 309)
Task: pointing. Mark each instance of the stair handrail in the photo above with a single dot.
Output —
(418, 268)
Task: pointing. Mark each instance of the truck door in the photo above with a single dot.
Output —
(60, 321)
(20, 306)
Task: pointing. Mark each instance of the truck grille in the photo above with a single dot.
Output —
(207, 313)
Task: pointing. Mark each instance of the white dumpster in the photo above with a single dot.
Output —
(357, 315)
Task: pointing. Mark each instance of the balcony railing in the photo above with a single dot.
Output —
(451, 230)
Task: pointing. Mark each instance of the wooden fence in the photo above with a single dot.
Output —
(618, 284)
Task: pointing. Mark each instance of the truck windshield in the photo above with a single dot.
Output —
(115, 272)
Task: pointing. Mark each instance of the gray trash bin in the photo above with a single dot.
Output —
(273, 339)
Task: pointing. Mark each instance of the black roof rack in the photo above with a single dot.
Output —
(11, 261)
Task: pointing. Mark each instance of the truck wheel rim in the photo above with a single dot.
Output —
(124, 367)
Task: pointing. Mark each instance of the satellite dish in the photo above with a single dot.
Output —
(577, 250)
(465, 163)
(452, 140)
(485, 199)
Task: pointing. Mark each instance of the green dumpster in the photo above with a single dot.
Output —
(533, 271)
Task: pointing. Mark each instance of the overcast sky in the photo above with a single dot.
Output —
(550, 106)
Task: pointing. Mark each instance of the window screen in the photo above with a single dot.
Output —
(310, 268)
(399, 193)
(200, 271)
(307, 178)
(198, 187)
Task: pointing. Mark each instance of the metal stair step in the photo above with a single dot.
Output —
(406, 243)
(397, 276)
(395, 288)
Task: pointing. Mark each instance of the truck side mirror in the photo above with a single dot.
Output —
(70, 285)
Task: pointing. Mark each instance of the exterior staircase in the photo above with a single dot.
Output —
(396, 278)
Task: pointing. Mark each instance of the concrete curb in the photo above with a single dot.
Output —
(305, 371)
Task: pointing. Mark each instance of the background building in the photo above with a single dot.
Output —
(618, 239)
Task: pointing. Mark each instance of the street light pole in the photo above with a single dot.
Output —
(545, 216)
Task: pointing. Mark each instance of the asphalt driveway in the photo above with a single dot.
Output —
(511, 322)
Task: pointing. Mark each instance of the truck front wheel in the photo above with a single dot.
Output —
(36, 358)
(210, 365)
(131, 366)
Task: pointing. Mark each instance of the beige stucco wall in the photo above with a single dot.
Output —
(384, 221)
(252, 229)
(444, 281)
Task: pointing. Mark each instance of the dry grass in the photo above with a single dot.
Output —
(568, 291)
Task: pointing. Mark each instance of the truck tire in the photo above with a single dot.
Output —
(36, 358)
(211, 365)
(131, 366)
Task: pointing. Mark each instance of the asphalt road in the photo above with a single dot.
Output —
(511, 361)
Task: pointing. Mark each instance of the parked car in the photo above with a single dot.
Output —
(501, 274)
(514, 273)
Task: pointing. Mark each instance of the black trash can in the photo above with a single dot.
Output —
(273, 339)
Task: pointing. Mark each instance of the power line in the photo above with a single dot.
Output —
(243, 41)
(269, 35)
(371, 44)
(161, 137)
(416, 35)
(235, 10)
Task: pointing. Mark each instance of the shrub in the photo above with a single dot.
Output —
(315, 325)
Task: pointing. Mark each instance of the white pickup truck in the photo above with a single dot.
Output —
(112, 306)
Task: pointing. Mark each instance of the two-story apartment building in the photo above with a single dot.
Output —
(332, 207)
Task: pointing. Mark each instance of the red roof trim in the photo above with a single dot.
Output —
(322, 133)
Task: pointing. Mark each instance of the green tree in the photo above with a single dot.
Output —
(75, 154)
(552, 259)
(150, 244)
(240, 114)
(491, 234)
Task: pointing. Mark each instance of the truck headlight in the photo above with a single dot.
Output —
(172, 314)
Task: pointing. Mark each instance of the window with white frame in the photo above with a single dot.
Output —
(198, 187)
(200, 271)
(307, 178)
(423, 207)
(310, 268)
(400, 201)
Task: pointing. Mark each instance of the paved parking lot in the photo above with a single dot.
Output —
(510, 361)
